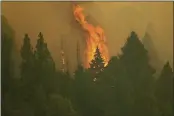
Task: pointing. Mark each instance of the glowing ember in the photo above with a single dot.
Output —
(95, 37)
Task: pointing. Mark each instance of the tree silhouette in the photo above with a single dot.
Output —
(45, 65)
(97, 64)
(27, 60)
(7, 66)
(136, 63)
(125, 87)
(7, 35)
(45, 74)
(27, 68)
(164, 90)
(136, 60)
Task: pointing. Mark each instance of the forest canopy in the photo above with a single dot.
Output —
(125, 87)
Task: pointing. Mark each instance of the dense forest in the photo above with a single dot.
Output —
(125, 87)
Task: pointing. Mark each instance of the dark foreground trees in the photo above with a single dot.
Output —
(164, 91)
(140, 76)
(125, 87)
(7, 39)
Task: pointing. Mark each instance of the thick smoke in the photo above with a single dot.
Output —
(55, 19)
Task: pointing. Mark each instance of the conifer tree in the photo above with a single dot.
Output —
(44, 71)
(97, 64)
(44, 64)
(135, 60)
(27, 69)
(164, 91)
(27, 60)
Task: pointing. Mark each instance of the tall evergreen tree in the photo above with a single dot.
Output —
(44, 61)
(97, 64)
(27, 68)
(27, 59)
(44, 64)
(136, 63)
(45, 72)
(164, 91)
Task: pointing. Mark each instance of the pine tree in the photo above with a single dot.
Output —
(27, 60)
(43, 56)
(97, 64)
(44, 69)
(135, 60)
(44, 64)
(164, 90)
(27, 69)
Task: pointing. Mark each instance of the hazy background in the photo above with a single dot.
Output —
(118, 19)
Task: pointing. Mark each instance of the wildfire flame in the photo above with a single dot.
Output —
(95, 37)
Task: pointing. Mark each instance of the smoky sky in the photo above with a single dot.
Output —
(118, 19)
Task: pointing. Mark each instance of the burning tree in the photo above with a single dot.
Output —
(95, 37)
(97, 64)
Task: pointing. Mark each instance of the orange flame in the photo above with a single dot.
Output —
(95, 37)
